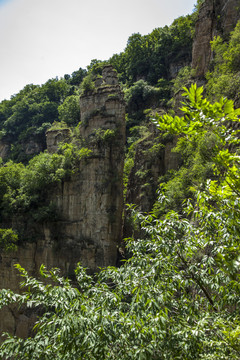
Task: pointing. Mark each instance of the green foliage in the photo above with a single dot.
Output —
(177, 295)
(58, 125)
(148, 57)
(46, 213)
(204, 131)
(87, 84)
(106, 136)
(73, 154)
(224, 79)
(69, 110)
(136, 135)
(119, 62)
(10, 185)
(139, 97)
(24, 188)
(8, 240)
(182, 79)
(95, 67)
(76, 77)
(128, 165)
(196, 167)
(200, 116)
(29, 113)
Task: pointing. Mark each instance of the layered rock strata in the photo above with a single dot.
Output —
(89, 204)
(216, 17)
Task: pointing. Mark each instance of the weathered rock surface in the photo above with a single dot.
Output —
(54, 137)
(152, 160)
(216, 17)
(4, 149)
(31, 147)
(175, 67)
(89, 203)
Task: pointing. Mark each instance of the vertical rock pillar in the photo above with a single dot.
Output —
(103, 129)
(91, 202)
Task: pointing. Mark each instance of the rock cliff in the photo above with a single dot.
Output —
(26, 149)
(216, 17)
(89, 203)
(153, 158)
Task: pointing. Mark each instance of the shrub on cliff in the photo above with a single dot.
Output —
(87, 84)
(8, 240)
(139, 97)
(224, 80)
(176, 297)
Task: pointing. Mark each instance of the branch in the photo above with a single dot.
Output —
(199, 283)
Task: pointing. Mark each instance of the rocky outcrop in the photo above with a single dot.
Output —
(216, 17)
(24, 150)
(5, 148)
(55, 136)
(153, 158)
(89, 204)
(33, 147)
(175, 67)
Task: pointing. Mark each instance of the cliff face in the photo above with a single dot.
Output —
(152, 160)
(54, 137)
(216, 17)
(4, 149)
(89, 204)
(31, 147)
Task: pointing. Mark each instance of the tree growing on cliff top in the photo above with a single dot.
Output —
(177, 297)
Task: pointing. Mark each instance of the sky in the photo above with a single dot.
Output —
(42, 39)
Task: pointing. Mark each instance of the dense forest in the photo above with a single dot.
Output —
(175, 293)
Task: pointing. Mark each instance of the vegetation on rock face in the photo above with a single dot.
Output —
(224, 79)
(142, 96)
(87, 84)
(177, 296)
(23, 189)
(8, 240)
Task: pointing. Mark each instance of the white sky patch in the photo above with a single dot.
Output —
(41, 39)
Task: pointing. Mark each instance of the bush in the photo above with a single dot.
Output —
(8, 240)
(224, 80)
(87, 84)
(69, 110)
